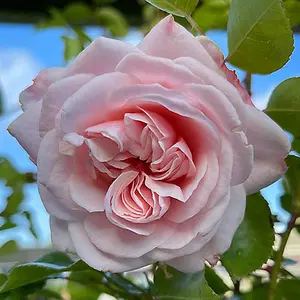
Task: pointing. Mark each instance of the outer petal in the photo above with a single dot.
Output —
(271, 146)
(55, 97)
(60, 235)
(100, 57)
(171, 40)
(221, 241)
(54, 172)
(121, 242)
(25, 130)
(36, 91)
(215, 52)
(96, 258)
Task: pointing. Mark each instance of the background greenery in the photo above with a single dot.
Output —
(260, 41)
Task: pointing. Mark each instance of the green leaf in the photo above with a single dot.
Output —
(252, 243)
(288, 289)
(14, 200)
(284, 105)
(77, 13)
(292, 9)
(79, 291)
(260, 39)
(28, 216)
(8, 247)
(212, 14)
(56, 20)
(7, 225)
(286, 201)
(215, 282)
(292, 177)
(170, 282)
(48, 265)
(8, 172)
(179, 8)
(259, 293)
(113, 20)
(73, 46)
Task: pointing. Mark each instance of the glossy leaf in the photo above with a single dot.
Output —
(176, 7)
(41, 269)
(113, 20)
(260, 39)
(212, 14)
(253, 241)
(284, 105)
(170, 282)
(215, 282)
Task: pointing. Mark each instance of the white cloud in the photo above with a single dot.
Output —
(17, 69)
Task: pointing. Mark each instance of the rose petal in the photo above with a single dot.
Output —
(121, 242)
(171, 40)
(90, 105)
(100, 57)
(36, 91)
(25, 130)
(222, 239)
(96, 258)
(60, 235)
(149, 69)
(55, 97)
(271, 145)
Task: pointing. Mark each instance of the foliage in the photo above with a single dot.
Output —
(259, 41)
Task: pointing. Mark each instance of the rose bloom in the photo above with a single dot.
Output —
(146, 153)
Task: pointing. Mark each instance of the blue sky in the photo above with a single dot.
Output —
(24, 50)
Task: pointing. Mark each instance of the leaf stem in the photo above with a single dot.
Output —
(194, 24)
(248, 83)
(279, 257)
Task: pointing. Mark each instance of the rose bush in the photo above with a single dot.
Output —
(146, 153)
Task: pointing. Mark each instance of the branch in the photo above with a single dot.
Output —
(279, 256)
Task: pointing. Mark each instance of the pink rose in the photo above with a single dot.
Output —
(146, 153)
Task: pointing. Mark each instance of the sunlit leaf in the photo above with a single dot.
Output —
(253, 241)
(8, 247)
(176, 7)
(212, 14)
(260, 38)
(73, 47)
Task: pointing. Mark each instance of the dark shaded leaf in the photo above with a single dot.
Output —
(215, 282)
(170, 282)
